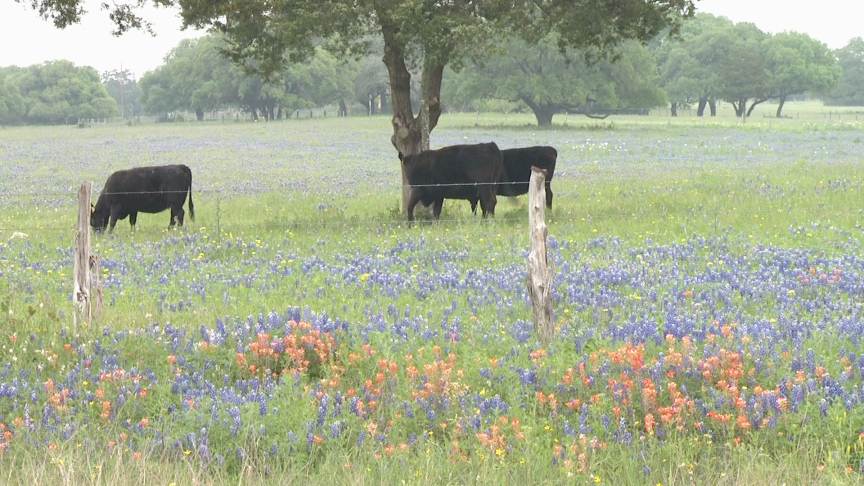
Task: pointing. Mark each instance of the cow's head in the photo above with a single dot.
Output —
(98, 218)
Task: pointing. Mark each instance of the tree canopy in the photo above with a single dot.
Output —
(850, 86)
(196, 77)
(57, 91)
(11, 103)
(797, 63)
(125, 91)
(718, 59)
(264, 35)
(549, 81)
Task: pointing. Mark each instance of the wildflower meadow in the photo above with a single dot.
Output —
(708, 301)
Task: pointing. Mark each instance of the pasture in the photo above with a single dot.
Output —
(709, 281)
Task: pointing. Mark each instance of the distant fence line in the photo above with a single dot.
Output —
(384, 221)
(832, 177)
(241, 191)
(360, 111)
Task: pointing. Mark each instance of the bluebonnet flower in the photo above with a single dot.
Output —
(568, 429)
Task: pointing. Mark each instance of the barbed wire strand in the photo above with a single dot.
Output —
(551, 218)
(73, 193)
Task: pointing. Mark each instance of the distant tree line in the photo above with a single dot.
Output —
(548, 81)
(55, 92)
(717, 59)
(850, 88)
(712, 60)
(197, 78)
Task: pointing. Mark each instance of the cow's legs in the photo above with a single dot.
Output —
(436, 207)
(487, 201)
(177, 216)
(113, 221)
(548, 195)
(133, 219)
(412, 201)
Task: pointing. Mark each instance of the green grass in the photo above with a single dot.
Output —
(305, 214)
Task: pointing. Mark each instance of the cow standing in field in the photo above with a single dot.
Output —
(143, 190)
(456, 172)
(517, 171)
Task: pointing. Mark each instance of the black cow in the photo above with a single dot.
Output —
(455, 172)
(517, 171)
(143, 190)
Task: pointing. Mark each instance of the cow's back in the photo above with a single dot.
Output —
(149, 189)
(467, 172)
(517, 168)
(454, 171)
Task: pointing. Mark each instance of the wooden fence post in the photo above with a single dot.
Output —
(81, 269)
(539, 277)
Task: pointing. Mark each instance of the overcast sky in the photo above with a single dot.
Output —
(26, 39)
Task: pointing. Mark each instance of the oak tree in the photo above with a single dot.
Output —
(796, 64)
(428, 34)
(850, 87)
(550, 82)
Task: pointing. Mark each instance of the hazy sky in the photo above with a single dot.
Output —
(26, 39)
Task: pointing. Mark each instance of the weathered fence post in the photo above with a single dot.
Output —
(81, 269)
(539, 277)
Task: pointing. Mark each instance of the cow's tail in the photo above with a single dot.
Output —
(191, 206)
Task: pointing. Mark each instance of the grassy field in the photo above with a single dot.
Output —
(708, 289)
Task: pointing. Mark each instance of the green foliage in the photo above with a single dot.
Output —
(742, 66)
(687, 65)
(717, 59)
(57, 92)
(602, 25)
(116, 82)
(797, 63)
(197, 77)
(372, 82)
(641, 200)
(424, 36)
(11, 103)
(549, 81)
(850, 86)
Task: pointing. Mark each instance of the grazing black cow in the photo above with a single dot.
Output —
(143, 190)
(517, 171)
(455, 172)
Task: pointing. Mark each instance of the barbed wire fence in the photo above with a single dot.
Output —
(812, 210)
(63, 201)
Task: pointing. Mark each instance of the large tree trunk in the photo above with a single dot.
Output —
(674, 108)
(700, 111)
(543, 113)
(780, 106)
(430, 104)
(712, 104)
(740, 106)
(407, 130)
(199, 114)
(750, 110)
(343, 108)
